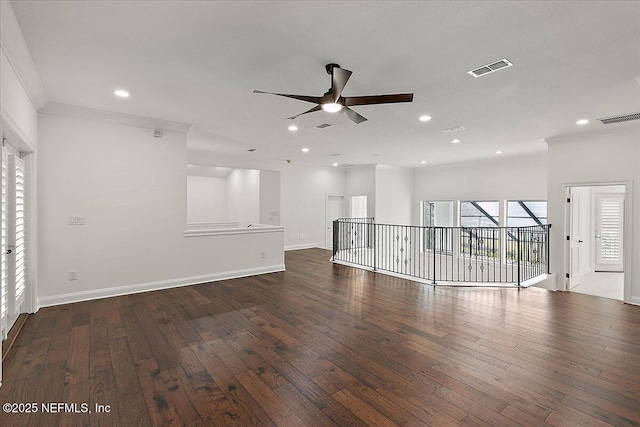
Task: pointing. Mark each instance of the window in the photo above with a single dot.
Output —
(522, 213)
(477, 239)
(479, 214)
(438, 214)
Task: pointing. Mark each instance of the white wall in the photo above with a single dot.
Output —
(243, 196)
(269, 197)
(361, 180)
(596, 158)
(131, 189)
(304, 193)
(17, 109)
(394, 193)
(206, 199)
(506, 178)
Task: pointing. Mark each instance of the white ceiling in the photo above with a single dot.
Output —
(198, 63)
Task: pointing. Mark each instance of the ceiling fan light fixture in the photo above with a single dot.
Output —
(331, 107)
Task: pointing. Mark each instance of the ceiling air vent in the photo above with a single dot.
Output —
(622, 118)
(453, 129)
(490, 68)
(322, 126)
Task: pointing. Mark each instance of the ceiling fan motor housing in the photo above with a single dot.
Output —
(330, 67)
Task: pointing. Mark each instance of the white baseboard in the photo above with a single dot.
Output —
(153, 286)
(547, 281)
(634, 301)
(298, 247)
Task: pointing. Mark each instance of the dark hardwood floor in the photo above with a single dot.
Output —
(324, 344)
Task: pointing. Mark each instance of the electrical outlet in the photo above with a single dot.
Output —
(300, 237)
(73, 275)
(288, 238)
(263, 254)
(76, 220)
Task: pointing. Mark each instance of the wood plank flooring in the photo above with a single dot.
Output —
(323, 345)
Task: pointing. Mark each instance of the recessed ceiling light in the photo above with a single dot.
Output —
(582, 122)
(293, 128)
(499, 152)
(331, 107)
(335, 164)
(424, 118)
(455, 141)
(423, 162)
(121, 93)
(305, 150)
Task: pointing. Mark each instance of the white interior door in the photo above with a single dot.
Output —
(609, 232)
(576, 240)
(335, 210)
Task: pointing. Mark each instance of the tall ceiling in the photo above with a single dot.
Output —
(198, 62)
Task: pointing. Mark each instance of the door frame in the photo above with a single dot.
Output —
(27, 148)
(627, 232)
(327, 213)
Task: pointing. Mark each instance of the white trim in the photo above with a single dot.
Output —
(15, 134)
(620, 128)
(256, 228)
(492, 160)
(154, 286)
(627, 245)
(211, 225)
(305, 246)
(17, 52)
(65, 110)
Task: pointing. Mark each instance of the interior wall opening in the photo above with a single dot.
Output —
(595, 230)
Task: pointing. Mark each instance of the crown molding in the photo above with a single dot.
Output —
(15, 48)
(629, 128)
(484, 161)
(15, 135)
(75, 111)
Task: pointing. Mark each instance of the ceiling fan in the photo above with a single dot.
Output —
(333, 101)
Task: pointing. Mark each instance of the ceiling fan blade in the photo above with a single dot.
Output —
(339, 79)
(352, 115)
(378, 99)
(312, 99)
(316, 108)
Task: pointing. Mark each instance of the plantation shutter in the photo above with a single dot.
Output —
(4, 225)
(17, 239)
(611, 231)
